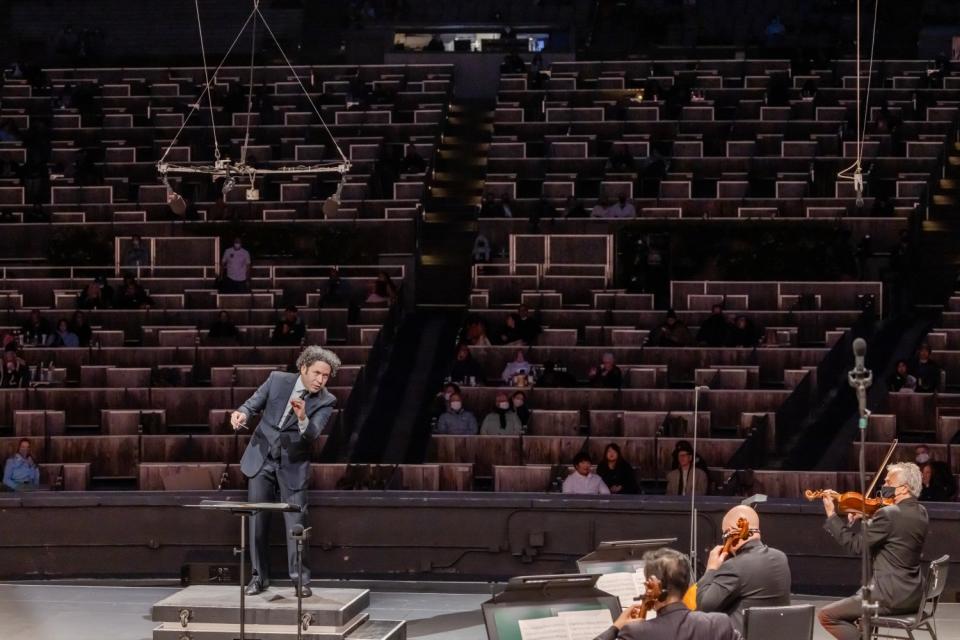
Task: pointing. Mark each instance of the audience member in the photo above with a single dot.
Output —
(715, 329)
(574, 208)
(235, 271)
(616, 472)
(21, 473)
(475, 332)
(926, 371)
(96, 295)
(441, 402)
(223, 330)
(509, 335)
(517, 367)
(686, 477)
(582, 480)
(382, 290)
(36, 330)
(743, 333)
(412, 161)
(132, 295)
(83, 331)
(337, 291)
(672, 333)
(457, 421)
(137, 255)
(938, 484)
(528, 327)
(608, 375)
(519, 401)
(600, 209)
(900, 379)
(290, 330)
(64, 337)
(621, 209)
(501, 421)
(15, 373)
(465, 369)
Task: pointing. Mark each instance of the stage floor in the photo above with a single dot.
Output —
(61, 612)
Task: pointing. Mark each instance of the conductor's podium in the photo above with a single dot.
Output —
(212, 612)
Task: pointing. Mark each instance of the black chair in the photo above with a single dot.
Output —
(794, 622)
(933, 586)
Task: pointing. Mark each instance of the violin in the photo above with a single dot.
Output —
(854, 501)
(741, 533)
(652, 595)
(850, 501)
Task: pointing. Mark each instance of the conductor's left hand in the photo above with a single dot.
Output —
(299, 409)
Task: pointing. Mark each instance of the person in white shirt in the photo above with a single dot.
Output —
(583, 481)
(621, 209)
(235, 270)
(600, 209)
(516, 366)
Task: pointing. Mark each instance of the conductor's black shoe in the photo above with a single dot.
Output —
(305, 591)
(255, 587)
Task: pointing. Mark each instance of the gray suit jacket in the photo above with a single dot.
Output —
(272, 399)
(757, 576)
(676, 622)
(895, 537)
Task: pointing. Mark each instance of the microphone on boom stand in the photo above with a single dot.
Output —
(860, 378)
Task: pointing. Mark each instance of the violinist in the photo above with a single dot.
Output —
(895, 534)
(752, 575)
(674, 620)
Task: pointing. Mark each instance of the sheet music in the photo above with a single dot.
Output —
(623, 585)
(552, 628)
(586, 625)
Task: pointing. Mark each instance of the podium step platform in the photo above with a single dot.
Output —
(212, 612)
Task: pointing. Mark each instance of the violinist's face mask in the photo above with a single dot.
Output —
(888, 492)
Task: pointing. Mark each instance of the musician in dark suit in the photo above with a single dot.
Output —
(895, 536)
(295, 408)
(674, 620)
(754, 575)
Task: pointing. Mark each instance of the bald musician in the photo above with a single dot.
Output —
(753, 575)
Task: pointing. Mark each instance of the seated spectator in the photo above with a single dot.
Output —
(15, 373)
(36, 330)
(441, 403)
(137, 255)
(942, 486)
(435, 44)
(501, 421)
(465, 369)
(608, 375)
(686, 477)
(938, 484)
(132, 295)
(223, 330)
(290, 331)
(743, 333)
(79, 326)
(528, 327)
(926, 371)
(616, 472)
(235, 269)
(21, 473)
(715, 329)
(63, 337)
(517, 367)
(900, 379)
(457, 421)
(672, 333)
(509, 335)
(556, 376)
(475, 332)
(621, 209)
(620, 158)
(336, 292)
(412, 161)
(574, 208)
(600, 209)
(583, 481)
(382, 290)
(96, 295)
(519, 401)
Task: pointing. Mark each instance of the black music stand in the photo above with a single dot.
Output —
(245, 510)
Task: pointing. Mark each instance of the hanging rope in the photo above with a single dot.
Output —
(253, 55)
(206, 75)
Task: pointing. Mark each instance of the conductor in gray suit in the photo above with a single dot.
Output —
(295, 408)
(895, 536)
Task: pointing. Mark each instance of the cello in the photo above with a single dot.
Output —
(853, 501)
(741, 533)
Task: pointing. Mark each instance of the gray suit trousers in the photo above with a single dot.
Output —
(263, 487)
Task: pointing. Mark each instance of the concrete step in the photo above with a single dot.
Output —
(365, 630)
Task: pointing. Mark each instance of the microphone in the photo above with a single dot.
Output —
(859, 353)
(860, 378)
(298, 531)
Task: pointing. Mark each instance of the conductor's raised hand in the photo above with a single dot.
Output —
(299, 408)
(238, 420)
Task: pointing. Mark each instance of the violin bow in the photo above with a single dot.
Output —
(883, 465)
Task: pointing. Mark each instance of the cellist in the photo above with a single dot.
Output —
(895, 535)
(754, 575)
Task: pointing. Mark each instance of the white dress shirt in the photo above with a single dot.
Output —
(298, 390)
(590, 484)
